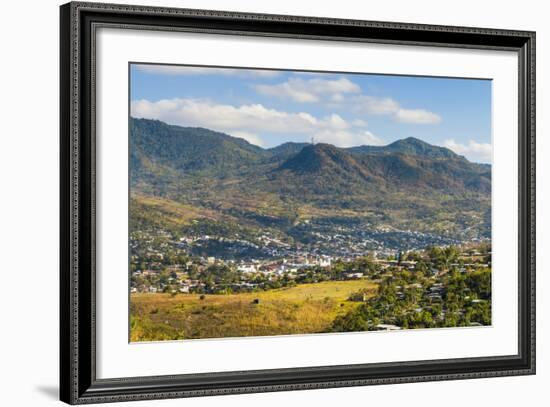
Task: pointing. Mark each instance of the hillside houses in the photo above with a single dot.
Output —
(169, 264)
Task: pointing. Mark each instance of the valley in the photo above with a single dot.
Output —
(230, 239)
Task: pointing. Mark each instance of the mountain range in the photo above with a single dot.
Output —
(406, 163)
(407, 184)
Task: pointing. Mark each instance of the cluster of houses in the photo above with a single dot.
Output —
(292, 267)
(149, 260)
(343, 242)
(280, 267)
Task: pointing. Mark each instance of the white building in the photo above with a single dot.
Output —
(325, 261)
(247, 268)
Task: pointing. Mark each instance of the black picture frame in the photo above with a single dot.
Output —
(78, 382)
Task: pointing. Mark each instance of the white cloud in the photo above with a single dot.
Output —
(388, 106)
(372, 140)
(310, 90)
(197, 70)
(359, 123)
(374, 105)
(246, 121)
(344, 138)
(250, 137)
(251, 121)
(334, 121)
(474, 151)
(417, 116)
(250, 118)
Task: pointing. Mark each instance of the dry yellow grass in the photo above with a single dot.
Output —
(174, 212)
(307, 308)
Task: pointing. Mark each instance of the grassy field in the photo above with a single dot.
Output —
(306, 308)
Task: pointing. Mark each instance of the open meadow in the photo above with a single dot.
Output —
(305, 308)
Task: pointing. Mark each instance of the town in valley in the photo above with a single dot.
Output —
(437, 286)
(281, 202)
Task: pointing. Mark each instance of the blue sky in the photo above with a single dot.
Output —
(268, 108)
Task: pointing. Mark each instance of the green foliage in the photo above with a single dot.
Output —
(410, 299)
(192, 182)
(411, 146)
(186, 149)
(408, 184)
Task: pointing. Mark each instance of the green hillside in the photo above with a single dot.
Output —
(245, 189)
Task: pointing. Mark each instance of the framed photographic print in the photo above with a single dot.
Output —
(255, 203)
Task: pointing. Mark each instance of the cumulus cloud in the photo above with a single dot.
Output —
(374, 105)
(390, 107)
(310, 90)
(417, 116)
(250, 122)
(250, 118)
(345, 138)
(176, 70)
(370, 139)
(250, 137)
(333, 93)
(474, 151)
(359, 123)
